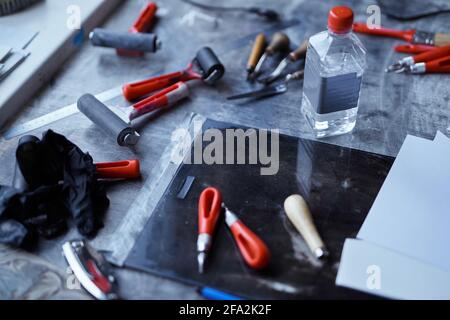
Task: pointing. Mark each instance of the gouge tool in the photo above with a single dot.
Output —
(280, 42)
(437, 53)
(298, 213)
(441, 65)
(296, 55)
(413, 48)
(271, 90)
(255, 55)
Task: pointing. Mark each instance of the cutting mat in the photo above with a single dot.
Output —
(340, 184)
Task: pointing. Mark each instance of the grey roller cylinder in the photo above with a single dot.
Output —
(102, 116)
(25, 145)
(134, 41)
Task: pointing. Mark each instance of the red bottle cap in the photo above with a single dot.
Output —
(340, 19)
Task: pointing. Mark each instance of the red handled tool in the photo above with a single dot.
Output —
(413, 48)
(403, 64)
(441, 65)
(209, 207)
(205, 66)
(127, 169)
(142, 24)
(252, 248)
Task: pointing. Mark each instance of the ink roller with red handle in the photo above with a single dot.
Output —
(111, 123)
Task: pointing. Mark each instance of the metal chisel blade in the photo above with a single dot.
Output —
(265, 92)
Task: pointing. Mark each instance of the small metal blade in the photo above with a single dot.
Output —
(276, 73)
(201, 261)
(265, 92)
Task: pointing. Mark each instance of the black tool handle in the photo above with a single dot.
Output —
(102, 116)
(211, 67)
(135, 41)
(19, 181)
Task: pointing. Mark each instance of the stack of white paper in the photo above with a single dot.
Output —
(403, 251)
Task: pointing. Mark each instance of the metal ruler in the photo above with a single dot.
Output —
(54, 116)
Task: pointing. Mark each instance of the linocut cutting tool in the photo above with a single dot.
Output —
(205, 66)
(296, 55)
(271, 90)
(298, 213)
(436, 53)
(134, 42)
(252, 248)
(209, 207)
(125, 169)
(411, 35)
(280, 42)
(413, 48)
(441, 65)
(255, 55)
(91, 269)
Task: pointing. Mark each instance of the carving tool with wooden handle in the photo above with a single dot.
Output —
(298, 213)
(280, 42)
(411, 35)
(255, 55)
(437, 53)
(209, 208)
(252, 248)
(296, 55)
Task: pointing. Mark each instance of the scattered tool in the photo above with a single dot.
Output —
(270, 91)
(209, 70)
(255, 55)
(298, 212)
(214, 294)
(132, 41)
(441, 65)
(91, 269)
(296, 55)
(411, 35)
(125, 169)
(19, 181)
(143, 23)
(209, 207)
(101, 115)
(253, 249)
(413, 48)
(427, 56)
(280, 42)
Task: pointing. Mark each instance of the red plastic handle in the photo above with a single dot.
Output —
(434, 54)
(406, 35)
(146, 18)
(127, 169)
(209, 208)
(413, 48)
(438, 66)
(253, 249)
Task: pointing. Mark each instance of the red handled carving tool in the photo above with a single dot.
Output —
(441, 65)
(411, 35)
(126, 169)
(437, 53)
(413, 48)
(143, 24)
(209, 208)
(252, 248)
(205, 66)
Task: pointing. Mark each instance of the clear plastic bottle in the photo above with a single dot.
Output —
(334, 67)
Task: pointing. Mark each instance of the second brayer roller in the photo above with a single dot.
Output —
(102, 116)
(134, 41)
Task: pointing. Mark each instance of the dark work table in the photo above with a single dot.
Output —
(391, 107)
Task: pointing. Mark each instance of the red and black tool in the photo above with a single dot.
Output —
(209, 207)
(133, 43)
(205, 66)
(403, 64)
(410, 35)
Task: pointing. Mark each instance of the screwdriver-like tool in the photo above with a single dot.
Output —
(441, 65)
(431, 55)
(280, 42)
(255, 55)
(296, 55)
(298, 212)
(252, 248)
(209, 208)
(413, 48)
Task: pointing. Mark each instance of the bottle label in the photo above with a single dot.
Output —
(331, 94)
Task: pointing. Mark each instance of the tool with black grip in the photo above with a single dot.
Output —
(205, 66)
(25, 146)
(102, 116)
(133, 41)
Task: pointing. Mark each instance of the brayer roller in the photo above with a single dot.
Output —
(135, 41)
(101, 115)
(205, 66)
